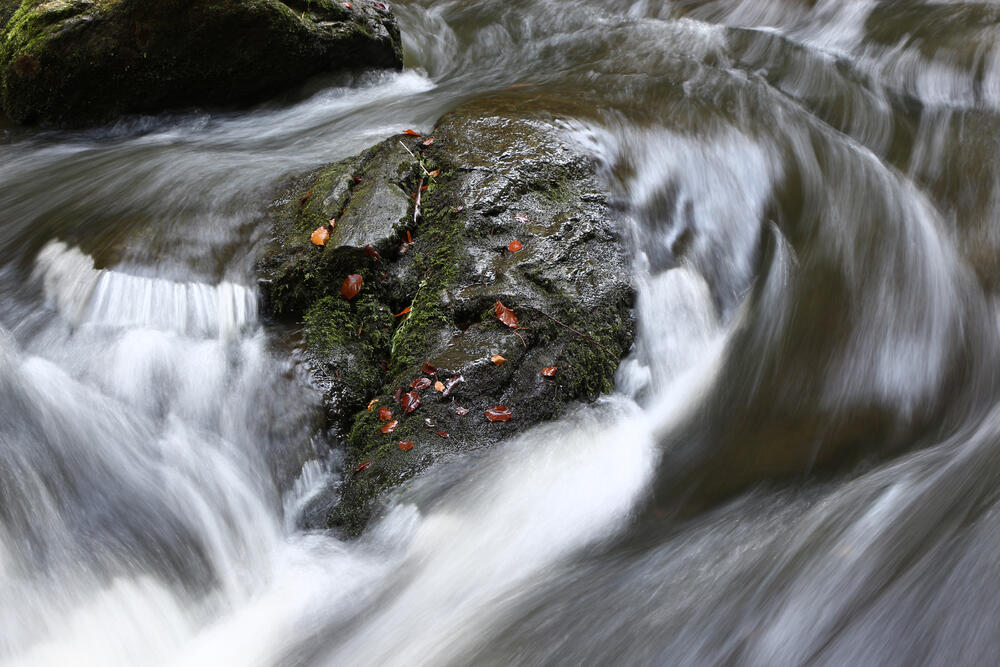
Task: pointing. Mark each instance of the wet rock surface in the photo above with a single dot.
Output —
(495, 180)
(78, 62)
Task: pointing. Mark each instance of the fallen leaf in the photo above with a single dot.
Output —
(362, 466)
(409, 238)
(304, 198)
(421, 383)
(498, 413)
(429, 423)
(460, 411)
(435, 173)
(451, 384)
(351, 286)
(443, 434)
(412, 133)
(384, 414)
(320, 235)
(373, 253)
(514, 246)
(549, 372)
(405, 311)
(505, 315)
(347, 5)
(396, 395)
(410, 402)
(424, 187)
(372, 404)
(406, 445)
(498, 360)
(357, 179)
(389, 427)
(439, 386)
(430, 370)
(427, 142)
(522, 218)
(379, 5)
(459, 209)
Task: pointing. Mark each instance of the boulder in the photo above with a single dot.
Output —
(490, 180)
(77, 62)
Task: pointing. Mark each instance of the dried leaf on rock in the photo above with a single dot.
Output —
(427, 142)
(460, 411)
(406, 445)
(443, 434)
(362, 466)
(430, 370)
(421, 383)
(549, 372)
(498, 360)
(439, 386)
(396, 395)
(514, 246)
(373, 253)
(412, 133)
(410, 401)
(372, 403)
(384, 414)
(351, 286)
(505, 315)
(499, 413)
(450, 385)
(435, 173)
(389, 427)
(320, 235)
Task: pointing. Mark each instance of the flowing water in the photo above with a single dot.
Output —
(800, 466)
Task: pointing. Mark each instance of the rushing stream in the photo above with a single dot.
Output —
(830, 169)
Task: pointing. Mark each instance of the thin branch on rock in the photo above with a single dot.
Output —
(581, 335)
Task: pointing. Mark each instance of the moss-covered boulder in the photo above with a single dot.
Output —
(427, 310)
(75, 62)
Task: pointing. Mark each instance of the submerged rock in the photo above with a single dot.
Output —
(72, 62)
(499, 180)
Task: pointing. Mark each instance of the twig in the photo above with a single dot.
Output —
(416, 207)
(581, 335)
(419, 161)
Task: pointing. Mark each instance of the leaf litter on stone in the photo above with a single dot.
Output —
(384, 414)
(351, 286)
(550, 371)
(420, 384)
(505, 314)
(499, 413)
(410, 402)
(406, 445)
(389, 427)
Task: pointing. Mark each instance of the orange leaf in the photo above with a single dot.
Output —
(304, 198)
(405, 311)
(514, 245)
(499, 413)
(498, 360)
(443, 434)
(421, 383)
(362, 466)
(321, 235)
(410, 402)
(384, 414)
(389, 427)
(430, 370)
(435, 173)
(351, 286)
(412, 133)
(406, 445)
(439, 386)
(505, 315)
(549, 372)
(427, 142)
(372, 404)
(409, 239)
(347, 5)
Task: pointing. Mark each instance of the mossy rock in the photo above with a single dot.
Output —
(498, 179)
(78, 62)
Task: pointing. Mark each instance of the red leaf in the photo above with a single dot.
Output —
(379, 5)
(549, 372)
(362, 466)
(384, 414)
(405, 311)
(389, 427)
(430, 370)
(498, 413)
(427, 142)
(505, 315)
(424, 187)
(406, 445)
(373, 253)
(443, 434)
(357, 179)
(412, 133)
(351, 286)
(396, 395)
(449, 386)
(304, 198)
(514, 245)
(410, 402)
(421, 383)
(460, 411)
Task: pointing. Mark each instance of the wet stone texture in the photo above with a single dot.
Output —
(500, 180)
(78, 62)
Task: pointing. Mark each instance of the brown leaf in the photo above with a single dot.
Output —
(421, 383)
(362, 466)
(499, 413)
(439, 386)
(347, 5)
(357, 179)
(505, 315)
(389, 427)
(373, 253)
(396, 395)
(410, 402)
(412, 133)
(549, 372)
(514, 246)
(405, 311)
(372, 403)
(430, 370)
(427, 142)
(498, 360)
(384, 414)
(450, 385)
(320, 235)
(406, 445)
(460, 411)
(435, 173)
(409, 237)
(443, 434)
(304, 198)
(351, 286)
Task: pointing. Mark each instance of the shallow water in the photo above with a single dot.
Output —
(798, 468)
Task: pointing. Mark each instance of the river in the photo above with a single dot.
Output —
(799, 466)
